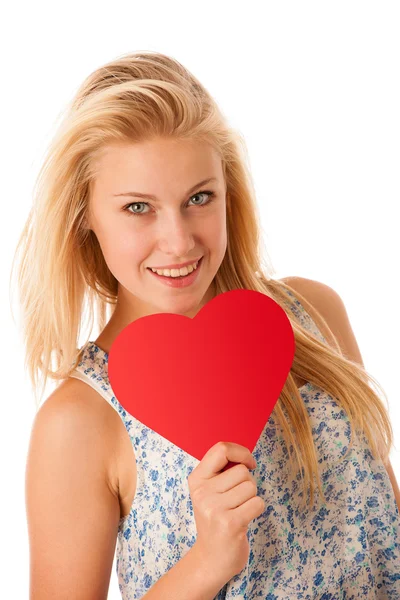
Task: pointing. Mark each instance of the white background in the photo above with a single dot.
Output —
(314, 88)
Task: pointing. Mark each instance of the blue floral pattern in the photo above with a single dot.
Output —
(347, 548)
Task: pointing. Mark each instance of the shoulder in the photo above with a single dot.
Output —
(320, 300)
(321, 296)
(74, 399)
(72, 511)
(76, 414)
(327, 309)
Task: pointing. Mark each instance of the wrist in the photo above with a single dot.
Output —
(204, 571)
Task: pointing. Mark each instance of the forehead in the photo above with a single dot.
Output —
(184, 159)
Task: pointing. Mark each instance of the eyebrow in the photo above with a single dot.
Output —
(151, 197)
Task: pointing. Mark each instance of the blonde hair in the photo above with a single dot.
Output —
(138, 97)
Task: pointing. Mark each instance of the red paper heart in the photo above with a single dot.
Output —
(215, 377)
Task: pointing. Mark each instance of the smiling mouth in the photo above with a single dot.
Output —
(177, 276)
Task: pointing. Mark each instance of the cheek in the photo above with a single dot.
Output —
(216, 233)
(123, 251)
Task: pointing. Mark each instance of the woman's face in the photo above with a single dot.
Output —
(173, 227)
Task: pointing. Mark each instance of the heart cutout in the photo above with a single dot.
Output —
(214, 377)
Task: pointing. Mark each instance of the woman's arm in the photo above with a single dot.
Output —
(189, 579)
(72, 511)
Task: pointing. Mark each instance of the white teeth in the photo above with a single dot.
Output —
(176, 272)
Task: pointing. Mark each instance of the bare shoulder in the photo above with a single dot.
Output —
(321, 302)
(75, 406)
(72, 508)
(328, 305)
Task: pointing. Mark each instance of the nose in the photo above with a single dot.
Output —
(176, 237)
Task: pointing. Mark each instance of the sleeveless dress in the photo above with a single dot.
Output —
(348, 548)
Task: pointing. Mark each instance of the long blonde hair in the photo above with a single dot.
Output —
(62, 270)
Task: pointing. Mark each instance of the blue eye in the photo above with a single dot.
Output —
(210, 195)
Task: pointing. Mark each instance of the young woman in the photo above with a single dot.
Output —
(145, 174)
